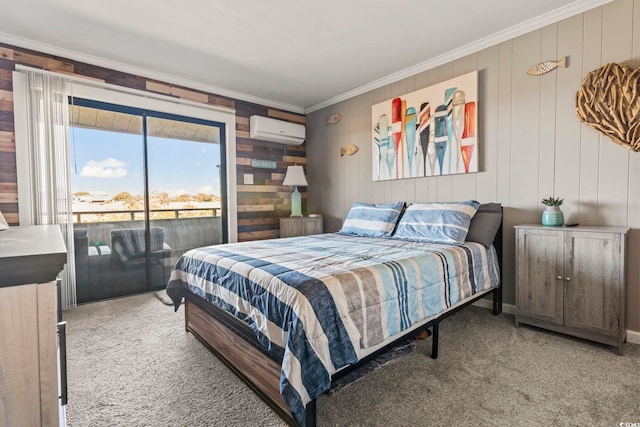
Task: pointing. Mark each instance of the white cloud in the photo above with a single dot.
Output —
(108, 168)
(207, 189)
(113, 163)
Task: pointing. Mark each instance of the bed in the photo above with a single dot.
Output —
(290, 316)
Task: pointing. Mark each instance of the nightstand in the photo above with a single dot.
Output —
(300, 226)
(572, 280)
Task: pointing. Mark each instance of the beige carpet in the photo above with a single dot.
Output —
(131, 364)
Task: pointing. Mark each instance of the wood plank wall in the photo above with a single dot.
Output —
(531, 143)
(259, 205)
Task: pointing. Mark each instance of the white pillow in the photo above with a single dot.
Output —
(371, 220)
(437, 222)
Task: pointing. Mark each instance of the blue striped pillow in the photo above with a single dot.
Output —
(370, 220)
(437, 222)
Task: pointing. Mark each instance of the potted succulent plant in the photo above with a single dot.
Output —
(552, 215)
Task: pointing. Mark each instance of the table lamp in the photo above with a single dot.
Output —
(3, 223)
(295, 176)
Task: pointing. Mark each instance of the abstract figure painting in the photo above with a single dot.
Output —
(429, 132)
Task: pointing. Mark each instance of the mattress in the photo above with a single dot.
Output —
(320, 303)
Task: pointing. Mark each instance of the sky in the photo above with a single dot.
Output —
(112, 162)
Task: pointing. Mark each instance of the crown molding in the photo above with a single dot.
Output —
(536, 23)
(577, 7)
(141, 71)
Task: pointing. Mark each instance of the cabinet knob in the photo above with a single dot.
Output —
(568, 279)
(559, 277)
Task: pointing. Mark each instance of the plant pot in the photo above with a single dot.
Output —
(552, 216)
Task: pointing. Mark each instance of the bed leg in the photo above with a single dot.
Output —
(310, 417)
(497, 301)
(186, 316)
(434, 343)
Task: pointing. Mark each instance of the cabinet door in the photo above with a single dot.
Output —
(539, 267)
(28, 364)
(290, 227)
(311, 226)
(48, 353)
(593, 281)
(19, 361)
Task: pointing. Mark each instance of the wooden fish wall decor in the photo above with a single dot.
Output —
(333, 119)
(547, 66)
(609, 102)
(349, 150)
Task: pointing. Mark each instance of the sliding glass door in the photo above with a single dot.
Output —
(185, 167)
(147, 186)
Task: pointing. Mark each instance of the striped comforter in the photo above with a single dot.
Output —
(319, 301)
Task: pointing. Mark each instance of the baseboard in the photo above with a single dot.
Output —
(633, 337)
(488, 303)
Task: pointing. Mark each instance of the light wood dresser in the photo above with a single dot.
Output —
(572, 280)
(30, 259)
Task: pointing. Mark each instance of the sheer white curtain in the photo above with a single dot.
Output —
(47, 102)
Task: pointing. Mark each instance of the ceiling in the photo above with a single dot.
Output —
(294, 54)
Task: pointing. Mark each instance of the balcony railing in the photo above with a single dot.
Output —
(181, 232)
(139, 214)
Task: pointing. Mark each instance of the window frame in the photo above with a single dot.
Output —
(112, 94)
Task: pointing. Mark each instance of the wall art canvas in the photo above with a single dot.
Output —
(429, 132)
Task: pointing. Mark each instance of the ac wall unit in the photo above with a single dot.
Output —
(272, 130)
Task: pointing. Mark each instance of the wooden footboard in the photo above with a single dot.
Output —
(234, 343)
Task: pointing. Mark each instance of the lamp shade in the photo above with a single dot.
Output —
(294, 176)
(3, 223)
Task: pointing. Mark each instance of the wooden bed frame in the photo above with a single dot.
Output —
(235, 344)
